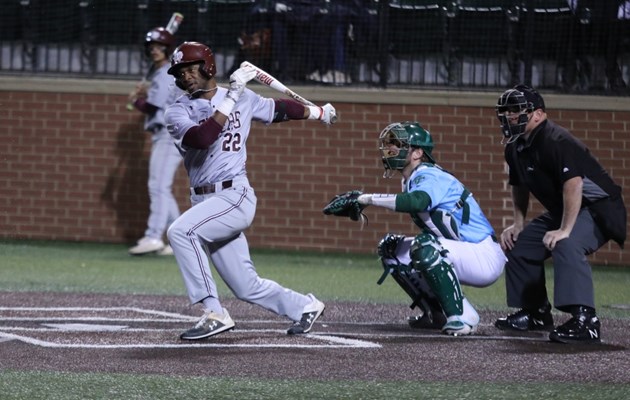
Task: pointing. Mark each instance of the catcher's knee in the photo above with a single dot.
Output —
(388, 245)
(387, 253)
(426, 252)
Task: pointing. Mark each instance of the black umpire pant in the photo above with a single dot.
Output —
(573, 280)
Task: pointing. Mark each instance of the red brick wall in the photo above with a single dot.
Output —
(73, 166)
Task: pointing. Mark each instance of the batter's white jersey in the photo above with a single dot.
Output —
(225, 159)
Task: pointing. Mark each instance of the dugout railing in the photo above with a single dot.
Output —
(450, 44)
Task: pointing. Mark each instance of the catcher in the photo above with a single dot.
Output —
(456, 244)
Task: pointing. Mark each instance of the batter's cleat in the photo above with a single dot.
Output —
(146, 245)
(456, 327)
(311, 312)
(209, 325)
(166, 251)
(582, 328)
(428, 320)
(527, 320)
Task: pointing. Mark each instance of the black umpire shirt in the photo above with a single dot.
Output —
(551, 156)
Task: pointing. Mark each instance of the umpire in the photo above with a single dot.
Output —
(584, 210)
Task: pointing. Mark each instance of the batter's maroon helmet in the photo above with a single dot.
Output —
(162, 36)
(192, 53)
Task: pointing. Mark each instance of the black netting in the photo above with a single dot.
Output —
(440, 43)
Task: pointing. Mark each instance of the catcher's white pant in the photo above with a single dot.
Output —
(214, 225)
(476, 264)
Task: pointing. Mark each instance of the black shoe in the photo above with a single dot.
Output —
(428, 320)
(582, 328)
(527, 320)
(210, 324)
(310, 315)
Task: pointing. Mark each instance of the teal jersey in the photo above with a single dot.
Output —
(453, 212)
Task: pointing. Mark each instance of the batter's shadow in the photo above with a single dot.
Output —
(125, 191)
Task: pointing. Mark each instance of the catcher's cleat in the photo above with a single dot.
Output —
(527, 320)
(210, 324)
(311, 312)
(582, 328)
(428, 320)
(456, 327)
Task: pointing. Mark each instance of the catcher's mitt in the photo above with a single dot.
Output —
(346, 205)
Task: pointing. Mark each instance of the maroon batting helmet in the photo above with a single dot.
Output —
(161, 36)
(192, 53)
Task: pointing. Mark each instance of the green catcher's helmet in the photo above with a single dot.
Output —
(395, 140)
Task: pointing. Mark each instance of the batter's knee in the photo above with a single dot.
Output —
(176, 231)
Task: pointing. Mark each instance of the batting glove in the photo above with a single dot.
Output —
(326, 114)
(238, 81)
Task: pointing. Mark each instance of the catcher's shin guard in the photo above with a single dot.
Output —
(419, 292)
(428, 257)
(409, 280)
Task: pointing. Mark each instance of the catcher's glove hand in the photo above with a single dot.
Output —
(346, 205)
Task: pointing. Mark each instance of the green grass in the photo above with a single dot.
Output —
(16, 385)
(107, 268)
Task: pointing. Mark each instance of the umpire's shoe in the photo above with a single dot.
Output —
(527, 320)
(311, 312)
(209, 325)
(582, 328)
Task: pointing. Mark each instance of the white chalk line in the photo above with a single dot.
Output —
(97, 309)
(173, 317)
(330, 341)
(333, 337)
(94, 319)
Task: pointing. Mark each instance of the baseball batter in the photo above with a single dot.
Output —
(210, 126)
(152, 100)
(456, 243)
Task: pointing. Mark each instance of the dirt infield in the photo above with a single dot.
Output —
(139, 334)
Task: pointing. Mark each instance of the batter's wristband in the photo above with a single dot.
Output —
(226, 106)
(315, 112)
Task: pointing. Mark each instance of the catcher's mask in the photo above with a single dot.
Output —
(192, 53)
(395, 141)
(513, 109)
(162, 36)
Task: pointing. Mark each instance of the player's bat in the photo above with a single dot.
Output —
(174, 23)
(268, 80)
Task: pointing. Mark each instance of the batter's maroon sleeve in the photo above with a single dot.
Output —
(287, 109)
(202, 136)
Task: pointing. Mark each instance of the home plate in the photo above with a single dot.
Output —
(86, 327)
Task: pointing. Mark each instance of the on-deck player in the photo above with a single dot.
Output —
(210, 126)
(152, 100)
(456, 243)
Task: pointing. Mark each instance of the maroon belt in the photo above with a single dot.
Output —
(212, 188)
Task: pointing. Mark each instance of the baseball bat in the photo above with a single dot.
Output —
(174, 23)
(267, 79)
